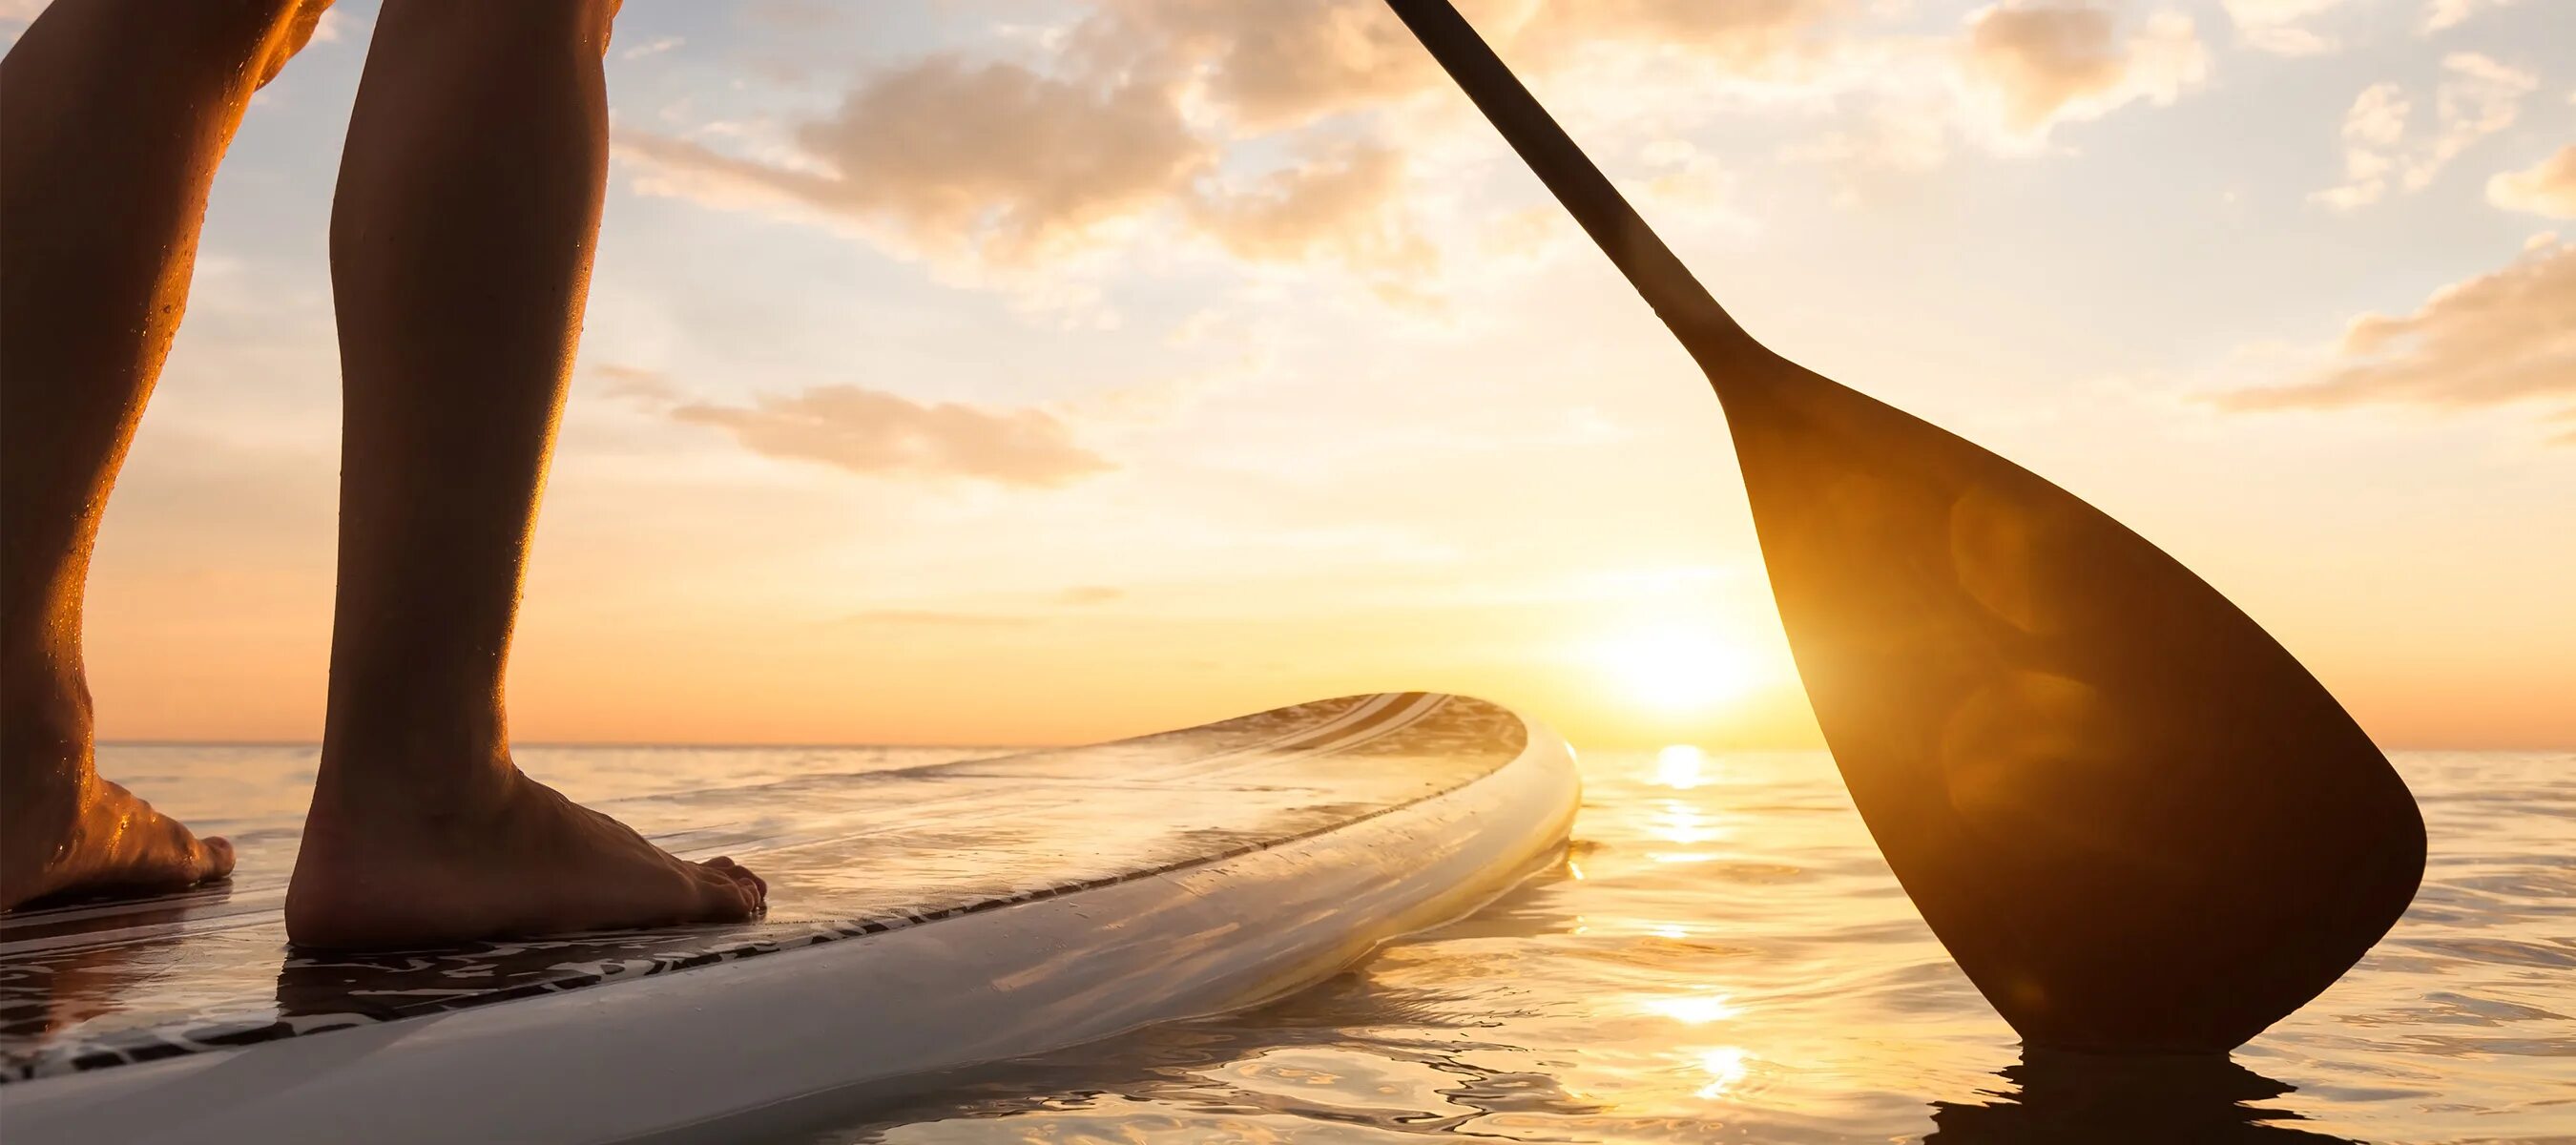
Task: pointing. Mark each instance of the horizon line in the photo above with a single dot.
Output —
(849, 744)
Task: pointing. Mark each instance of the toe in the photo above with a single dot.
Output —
(725, 899)
(753, 886)
(214, 858)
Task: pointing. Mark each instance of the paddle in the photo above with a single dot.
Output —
(2135, 821)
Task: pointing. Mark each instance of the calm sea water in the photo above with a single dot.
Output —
(1725, 958)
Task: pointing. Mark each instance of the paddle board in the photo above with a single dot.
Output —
(921, 919)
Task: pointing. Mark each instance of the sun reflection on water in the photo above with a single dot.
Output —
(1694, 1009)
(1725, 1066)
(1678, 822)
(1757, 976)
(1681, 767)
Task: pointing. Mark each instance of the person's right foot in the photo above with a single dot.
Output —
(520, 861)
(65, 832)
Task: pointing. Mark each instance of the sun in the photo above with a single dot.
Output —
(1676, 670)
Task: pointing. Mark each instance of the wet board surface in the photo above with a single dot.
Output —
(101, 989)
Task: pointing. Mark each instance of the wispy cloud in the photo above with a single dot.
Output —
(2501, 337)
(1257, 130)
(936, 618)
(1024, 612)
(635, 382)
(1746, 37)
(995, 161)
(334, 25)
(1340, 201)
(999, 167)
(2282, 27)
(652, 47)
(2046, 62)
(1266, 66)
(881, 434)
(2441, 14)
(2476, 98)
(2544, 188)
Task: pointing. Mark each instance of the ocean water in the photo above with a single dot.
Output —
(1724, 957)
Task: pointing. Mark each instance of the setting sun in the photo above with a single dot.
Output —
(1676, 670)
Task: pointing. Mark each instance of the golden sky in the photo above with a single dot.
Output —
(1018, 372)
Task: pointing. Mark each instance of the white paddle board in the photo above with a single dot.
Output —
(920, 920)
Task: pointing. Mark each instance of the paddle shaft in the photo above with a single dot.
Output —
(1703, 326)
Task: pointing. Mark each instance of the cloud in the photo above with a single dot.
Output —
(1340, 202)
(2280, 26)
(331, 27)
(2476, 98)
(2372, 129)
(2053, 61)
(637, 383)
(994, 161)
(881, 434)
(1267, 65)
(2441, 14)
(1744, 34)
(935, 618)
(1282, 63)
(653, 47)
(1891, 138)
(999, 166)
(2479, 99)
(1144, 121)
(2498, 338)
(2545, 188)
(1061, 605)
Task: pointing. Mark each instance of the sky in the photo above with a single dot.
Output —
(1015, 372)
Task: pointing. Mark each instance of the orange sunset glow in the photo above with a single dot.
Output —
(1299, 385)
(1172, 571)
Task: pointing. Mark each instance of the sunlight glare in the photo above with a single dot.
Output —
(1681, 767)
(1676, 670)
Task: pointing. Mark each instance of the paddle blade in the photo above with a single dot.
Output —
(2132, 817)
(2136, 822)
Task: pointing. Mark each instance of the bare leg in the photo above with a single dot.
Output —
(460, 254)
(113, 115)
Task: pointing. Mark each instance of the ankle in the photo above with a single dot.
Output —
(46, 721)
(45, 775)
(377, 779)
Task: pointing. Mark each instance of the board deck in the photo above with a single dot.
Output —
(101, 989)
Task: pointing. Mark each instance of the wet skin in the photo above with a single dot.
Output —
(461, 241)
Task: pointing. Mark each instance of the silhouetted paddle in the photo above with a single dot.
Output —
(2135, 821)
